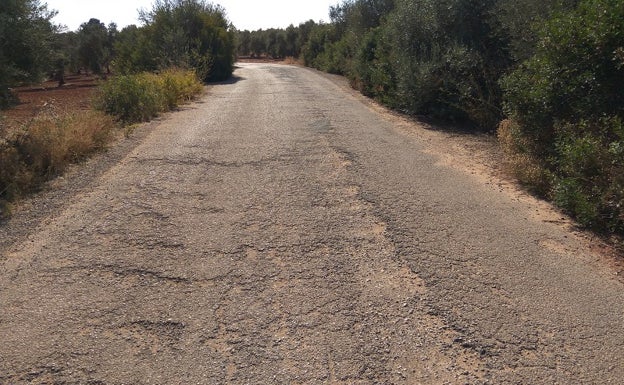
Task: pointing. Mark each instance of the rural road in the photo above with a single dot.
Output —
(283, 231)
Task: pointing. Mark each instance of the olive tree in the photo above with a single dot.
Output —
(26, 35)
(192, 34)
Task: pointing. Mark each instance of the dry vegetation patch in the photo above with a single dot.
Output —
(51, 128)
(54, 126)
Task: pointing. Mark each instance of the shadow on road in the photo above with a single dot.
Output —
(232, 80)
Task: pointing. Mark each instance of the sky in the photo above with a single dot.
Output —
(244, 14)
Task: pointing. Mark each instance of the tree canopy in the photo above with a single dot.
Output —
(26, 36)
(191, 34)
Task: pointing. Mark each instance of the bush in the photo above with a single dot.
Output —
(577, 72)
(49, 143)
(315, 51)
(45, 146)
(131, 98)
(139, 98)
(567, 106)
(9, 172)
(590, 168)
(373, 73)
(441, 59)
(180, 86)
(336, 57)
(194, 34)
(520, 159)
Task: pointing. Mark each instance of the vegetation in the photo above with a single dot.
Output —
(138, 98)
(442, 58)
(160, 66)
(276, 43)
(45, 146)
(95, 48)
(566, 110)
(190, 34)
(26, 36)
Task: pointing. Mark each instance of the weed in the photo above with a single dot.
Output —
(521, 161)
(45, 146)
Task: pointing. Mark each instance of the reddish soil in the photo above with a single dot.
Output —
(74, 95)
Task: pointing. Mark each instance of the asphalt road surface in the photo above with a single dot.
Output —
(282, 231)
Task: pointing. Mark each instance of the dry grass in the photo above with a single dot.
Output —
(55, 127)
(292, 60)
(42, 148)
(520, 162)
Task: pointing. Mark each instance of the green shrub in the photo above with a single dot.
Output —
(141, 97)
(194, 34)
(131, 98)
(373, 73)
(443, 59)
(320, 40)
(590, 168)
(567, 104)
(577, 72)
(570, 195)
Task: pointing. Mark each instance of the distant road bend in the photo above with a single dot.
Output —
(283, 231)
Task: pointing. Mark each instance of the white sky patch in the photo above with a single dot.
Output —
(244, 14)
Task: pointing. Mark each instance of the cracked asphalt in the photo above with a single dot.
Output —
(282, 231)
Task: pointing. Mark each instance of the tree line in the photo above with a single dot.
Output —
(546, 75)
(441, 58)
(193, 34)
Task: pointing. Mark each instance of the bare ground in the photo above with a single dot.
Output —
(74, 95)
